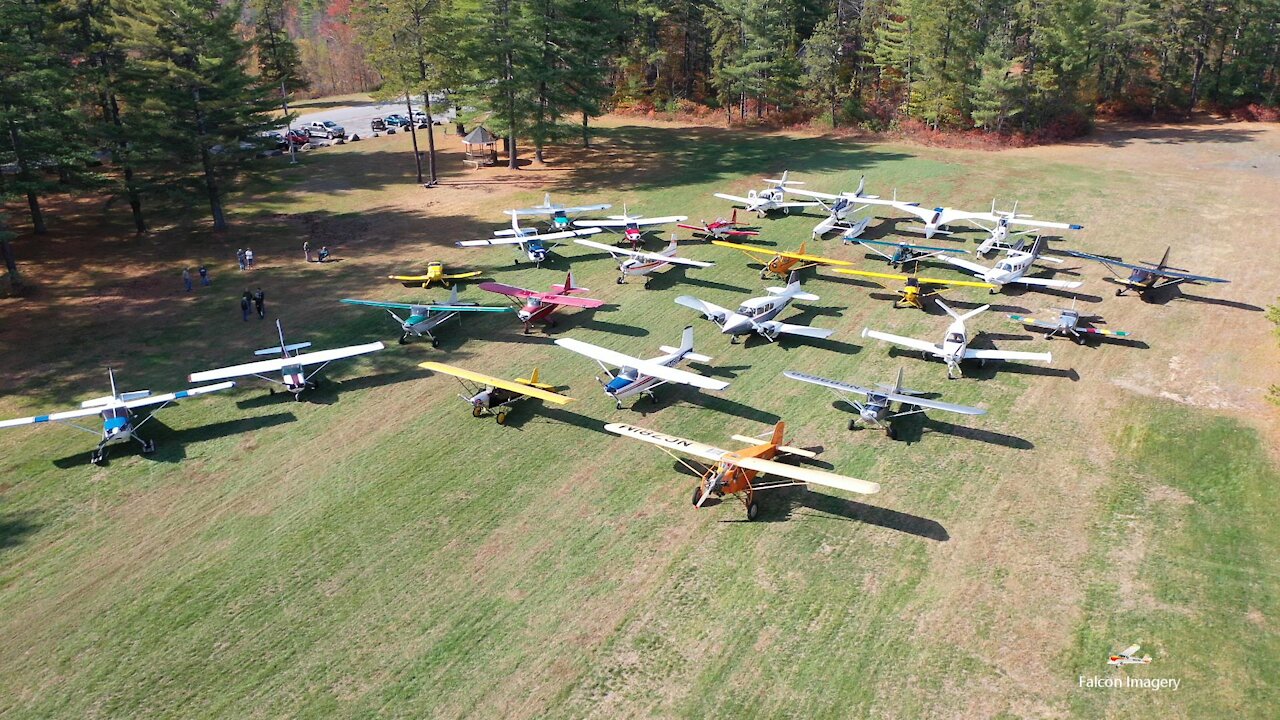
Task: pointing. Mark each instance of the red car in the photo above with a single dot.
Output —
(297, 137)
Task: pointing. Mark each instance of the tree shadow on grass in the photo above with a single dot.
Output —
(16, 526)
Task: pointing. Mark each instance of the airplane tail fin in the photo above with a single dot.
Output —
(111, 375)
(801, 251)
(897, 382)
(734, 217)
(957, 315)
(778, 431)
(793, 288)
(1164, 259)
(568, 287)
(1037, 247)
(686, 348)
(453, 296)
(533, 378)
(862, 186)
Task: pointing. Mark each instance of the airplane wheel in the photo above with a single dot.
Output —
(646, 284)
(297, 397)
(98, 458)
(435, 342)
(552, 323)
(502, 417)
(620, 281)
(618, 403)
(890, 433)
(1119, 293)
(786, 211)
(853, 424)
(148, 447)
(271, 391)
(697, 494)
(404, 339)
(653, 399)
(753, 510)
(447, 284)
(476, 411)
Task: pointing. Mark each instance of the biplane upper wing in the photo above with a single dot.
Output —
(662, 372)
(265, 366)
(481, 379)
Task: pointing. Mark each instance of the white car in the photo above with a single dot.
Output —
(326, 128)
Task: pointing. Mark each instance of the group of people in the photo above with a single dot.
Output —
(255, 301)
(322, 256)
(245, 258)
(204, 277)
(258, 301)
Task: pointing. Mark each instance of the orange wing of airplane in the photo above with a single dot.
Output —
(780, 264)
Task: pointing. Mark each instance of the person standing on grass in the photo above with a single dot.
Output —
(240, 257)
(245, 299)
(248, 258)
(204, 276)
(186, 278)
(306, 249)
(260, 303)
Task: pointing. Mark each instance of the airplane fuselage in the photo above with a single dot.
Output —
(1009, 270)
(629, 381)
(535, 310)
(953, 347)
(752, 312)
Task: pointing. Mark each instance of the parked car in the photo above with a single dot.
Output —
(297, 137)
(378, 125)
(276, 139)
(325, 128)
(396, 120)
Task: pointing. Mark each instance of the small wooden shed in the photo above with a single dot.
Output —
(481, 147)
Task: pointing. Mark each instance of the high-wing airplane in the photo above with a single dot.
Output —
(534, 306)
(737, 472)
(914, 292)
(840, 207)
(1013, 268)
(119, 423)
(632, 225)
(781, 264)
(634, 263)
(720, 228)
(935, 221)
(425, 317)
(954, 347)
(1129, 656)
(637, 376)
(1069, 321)
(531, 242)
(876, 407)
(559, 214)
(757, 314)
(770, 199)
(435, 274)
(291, 365)
(495, 396)
(1148, 277)
(905, 253)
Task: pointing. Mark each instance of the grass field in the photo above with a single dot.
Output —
(377, 552)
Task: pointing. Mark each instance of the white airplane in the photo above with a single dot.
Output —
(937, 219)
(1013, 268)
(636, 376)
(841, 207)
(118, 424)
(290, 365)
(954, 347)
(1128, 656)
(631, 224)
(559, 214)
(531, 242)
(756, 315)
(634, 263)
(771, 198)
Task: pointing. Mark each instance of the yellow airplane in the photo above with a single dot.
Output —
(495, 396)
(435, 273)
(911, 294)
(780, 264)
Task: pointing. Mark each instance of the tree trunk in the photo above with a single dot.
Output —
(33, 201)
(206, 161)
(431, 137)
(10, 264)
(131, 189)
(586, 133)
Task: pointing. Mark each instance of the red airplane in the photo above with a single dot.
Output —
(539, 306)
(721, 228)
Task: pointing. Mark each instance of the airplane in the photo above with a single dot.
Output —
(913, 293)
(877, 407)
(495, 396)
(780, 264)
(771, 198)
(531, 242)
(720, 228)
(1069, 322)
(1000, 231)
(736, 472)
(116, 410)
(559, 214)
(636, 376)
(632, 225)
(840, 207)
(935, 221)
(1013, 268)
(1148, 277)
(756, 314)
(425, 317)
(290, 364)
(536, 306)
(906, 252)
(955, 344)
(1127, 657)
(641, 264)
(435, 274)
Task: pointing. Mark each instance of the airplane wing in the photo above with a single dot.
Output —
(923, 213)
(464, 275)
(645, 367)
(970, 266)
(744, 248)
(1045, 282)
(793, 203)
(802, 330)
(67, 415)
(571, 300)
(655, 257)
(641, 222)
(912, 343)
(812, 194)
(909, 399)
(669, 442)
(508, 290)
(585, 208)
(169, 397)
(706, 308)
(750, 203)
(1032, 321)
(479, 379)
(273, 365)
(971, 354)
(1148, 268)
(509, 240)
(1045, 224)
(818, 259)
(1187, 276)
(921, 280)
(426, 306)
(806, 475)
(833, 384)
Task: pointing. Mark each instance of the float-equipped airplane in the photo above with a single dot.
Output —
(840, 207)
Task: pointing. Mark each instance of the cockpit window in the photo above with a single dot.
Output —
(747, 311)
(955, 337)
(535, 302)
(1004, 266)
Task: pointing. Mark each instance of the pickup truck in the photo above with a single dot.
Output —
(326, 128)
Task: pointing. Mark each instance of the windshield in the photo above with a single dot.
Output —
(330, 123)
(955, 337)
(747, 311)
(535, 302)
(1004, 266)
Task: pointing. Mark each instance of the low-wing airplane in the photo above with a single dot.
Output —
(770, 199)
(1069, 322)
(935, 221)
(1148, 277)
(637, 376)
(954, 347)
(116, 410)
(736, 472)
(495, 396)
(559, 214)
(914, 293)
(905, 253)
(1129, 656)
(435, 274)
(720, 228)
(632, 225)
(1000, 232)
(534, 306)
(1013, 268)
(425, 317)
(531, 242)
(757, 314)
(781, 264)
(877, 406)
(291, 365)
(841, 207)
(640, 264)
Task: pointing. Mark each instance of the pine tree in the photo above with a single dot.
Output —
(822, 55)
(278, 59)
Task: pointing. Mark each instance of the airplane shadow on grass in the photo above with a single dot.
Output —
(1166, 295)
(329, 391)
(973, 370)
(705, 401)
(668, 279)
(784, 504)
(171, 444)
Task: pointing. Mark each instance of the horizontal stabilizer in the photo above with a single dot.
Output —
(97, 402)
(134, 395)
(691, 357)
(276, 350)
(799, 452)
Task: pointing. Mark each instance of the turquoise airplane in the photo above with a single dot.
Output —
(904, 253)
(425, 317)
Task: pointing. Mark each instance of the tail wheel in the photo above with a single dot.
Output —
(753, 510)
(853, 424)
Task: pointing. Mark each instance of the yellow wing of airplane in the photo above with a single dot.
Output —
(921, 280)
(475, 377)
(762, 252)
(461, 275)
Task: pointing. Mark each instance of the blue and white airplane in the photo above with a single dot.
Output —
(531, 242)
(559, 214)
(636, 376)
(118, 419)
